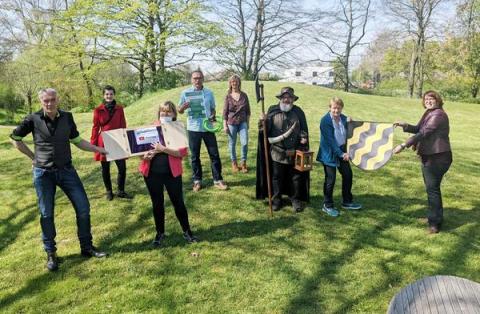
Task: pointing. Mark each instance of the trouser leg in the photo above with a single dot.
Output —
(45, 187)
(175, 192)
(71, 184)
(347, 178)
(155, 185)
(194, 143)
(106, 175)
(328, 185)
(122, 174)
(432, 176)
(212, 148)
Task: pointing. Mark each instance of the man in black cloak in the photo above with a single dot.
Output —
(287, 131)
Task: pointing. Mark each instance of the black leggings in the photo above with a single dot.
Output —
(122, 174)
(155, 183)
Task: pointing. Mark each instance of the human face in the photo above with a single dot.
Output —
(197, 80)
(286, 99)
(336, 110)
(235, 84)
(49, 103)
(430, 102)
(109, 96)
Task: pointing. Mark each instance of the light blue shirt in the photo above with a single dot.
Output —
(340, 131)
(202, 103)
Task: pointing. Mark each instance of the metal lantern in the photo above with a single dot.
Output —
(303, 160)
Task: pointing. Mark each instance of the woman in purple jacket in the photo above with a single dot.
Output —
(432, 144)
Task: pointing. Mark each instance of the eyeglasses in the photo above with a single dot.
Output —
(197, 78)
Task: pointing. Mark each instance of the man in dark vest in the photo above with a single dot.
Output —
(53, 130)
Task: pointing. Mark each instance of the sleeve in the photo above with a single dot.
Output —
(123, 121)
(247, 104)
(23, 129)
(328, 134)
(182, 99)
(411, 128)
(427, 130)
(212, 101)
(74, 135)
(95, 128)
(225, 109)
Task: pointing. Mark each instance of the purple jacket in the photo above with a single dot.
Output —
(431, 133)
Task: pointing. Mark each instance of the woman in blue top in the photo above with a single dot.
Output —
(332, 154)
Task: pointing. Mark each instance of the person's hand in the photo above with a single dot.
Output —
(149, 155)
(400, 124)
(303, 141)
(184, 107)
(349, 119)
(345, 157)
(263, 116)
(158, 147)
(398, 149)
(225, 129)
(101, 150)
(212, 118)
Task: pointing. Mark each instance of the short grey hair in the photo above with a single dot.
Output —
(49, 90)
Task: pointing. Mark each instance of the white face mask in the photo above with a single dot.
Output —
(285, 107)
(165, 119)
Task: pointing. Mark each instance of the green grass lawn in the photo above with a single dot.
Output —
(247, 261)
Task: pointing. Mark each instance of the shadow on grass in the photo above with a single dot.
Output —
(40, 283)
(220, 233)
(14, 224)
(309, 300)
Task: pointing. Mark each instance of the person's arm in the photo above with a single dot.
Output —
(159, 148)
(25, 128)
(247, 103)
(431, 125)
(86, 146)
(183, 104)
(23, 148)
(225, 114)
(95, 128)
(123, 121)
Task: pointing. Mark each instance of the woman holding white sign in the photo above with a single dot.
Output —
(162, 167)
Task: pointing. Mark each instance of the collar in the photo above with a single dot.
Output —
(333, 119)
(44, 115)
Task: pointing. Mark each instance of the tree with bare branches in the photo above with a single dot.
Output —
(262, 34)
(415, 17)
(341, 31)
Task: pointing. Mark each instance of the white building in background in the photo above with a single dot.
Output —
(311, 75)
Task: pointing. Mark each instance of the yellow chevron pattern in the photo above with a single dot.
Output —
(369, 144)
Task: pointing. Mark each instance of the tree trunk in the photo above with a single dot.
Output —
(29, 101)
(259, 30)
(141, 79)
(412, 71)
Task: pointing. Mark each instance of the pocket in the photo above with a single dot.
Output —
(70, 169)
(38, 172)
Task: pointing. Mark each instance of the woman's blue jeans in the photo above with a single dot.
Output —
(234, 130)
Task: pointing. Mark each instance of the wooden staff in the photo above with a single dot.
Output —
(260, 96)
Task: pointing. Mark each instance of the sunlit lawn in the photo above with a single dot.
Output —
(247, 261)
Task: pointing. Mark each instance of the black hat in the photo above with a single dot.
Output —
(289, 91)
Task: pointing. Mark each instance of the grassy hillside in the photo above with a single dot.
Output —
(247, 262)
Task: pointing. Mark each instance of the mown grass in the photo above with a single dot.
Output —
(247, 261)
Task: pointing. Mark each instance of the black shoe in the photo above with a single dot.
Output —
(123, 194)
(52, 261)
(297, 206)
(190, 237)
(158, 239)
(109, 195)
(93, 252)
(276, 206)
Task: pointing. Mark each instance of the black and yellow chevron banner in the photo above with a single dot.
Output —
(369, 144)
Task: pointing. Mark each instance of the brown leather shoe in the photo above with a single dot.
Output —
(220, 185)
(234, 167)
(244, 168)
(197, 186)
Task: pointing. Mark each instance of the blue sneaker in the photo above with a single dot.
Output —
(352, 205)
(330, 211)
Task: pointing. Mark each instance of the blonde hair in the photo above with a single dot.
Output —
(336, 101)
(231, 79)
(167, 106)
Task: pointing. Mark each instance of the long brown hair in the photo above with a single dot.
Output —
(230, 80)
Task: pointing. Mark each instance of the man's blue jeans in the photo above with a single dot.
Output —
(45, 182)
(194, 142)
(241, 129)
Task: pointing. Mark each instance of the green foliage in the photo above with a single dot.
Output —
(247, 261)
(10, 102)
